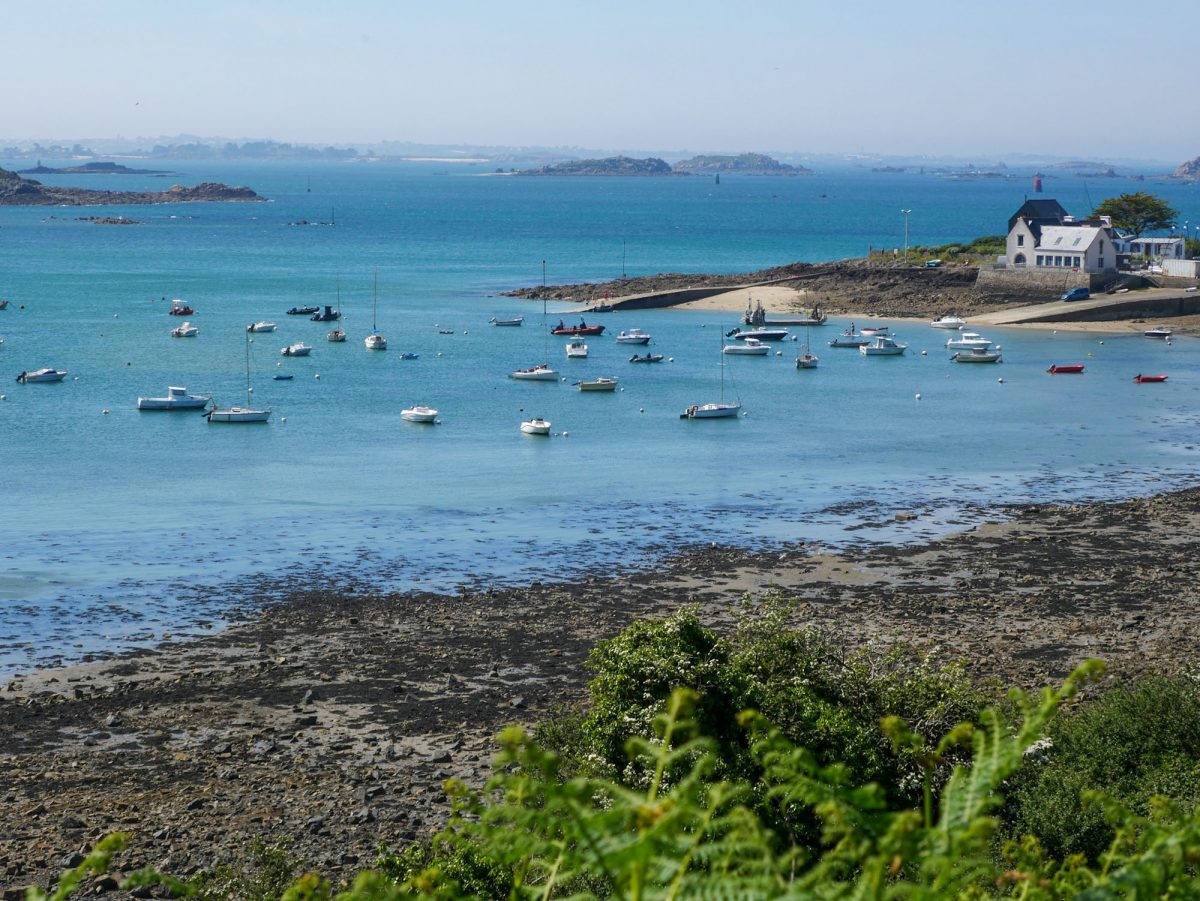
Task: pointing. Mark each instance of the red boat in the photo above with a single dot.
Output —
(1140, 379)
(582, 329)
(1058, 370)
(179, 308)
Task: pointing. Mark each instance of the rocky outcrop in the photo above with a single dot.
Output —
(1190, 169)
(747, 163)
(92, 169)
(613, 165)
(18, 191)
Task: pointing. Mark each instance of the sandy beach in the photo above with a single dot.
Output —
(331, 719)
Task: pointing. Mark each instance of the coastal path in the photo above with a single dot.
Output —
(1151, 302)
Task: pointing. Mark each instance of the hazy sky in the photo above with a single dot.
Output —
(1100, 79)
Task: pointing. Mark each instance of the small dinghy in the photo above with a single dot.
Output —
(302, 311)
(1072, 369)
(1143, 379)
(646, 358)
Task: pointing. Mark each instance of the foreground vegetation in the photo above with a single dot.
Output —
(776, 764)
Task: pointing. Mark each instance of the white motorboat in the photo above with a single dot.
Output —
(948, 322)
(967, 341)
(261, 327)
(536, 426)
(539, 373)
(515, 321)
(761, 334)
(883, 346)
(633, 336)
(602, 383)
(337, 336)
(871, 330)
(375, 341)
(176, 399)
(751, 347)
(977, 355)
(240, 414)
(577, 349)
(1161, 332)
(42, 375)
(850, 338)
(419, 413)
(187, 330)
(300, 349)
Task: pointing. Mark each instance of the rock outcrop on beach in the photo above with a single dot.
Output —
(18, 191)
(746, 163)
(881, 289)
(613, 165)
(1190, 169)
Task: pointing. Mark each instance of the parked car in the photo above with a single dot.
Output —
(1077, 294)
(1154, 269)
(932, 264)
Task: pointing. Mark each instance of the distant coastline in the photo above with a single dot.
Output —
(744, 164)
(92, 169)
(18, 191)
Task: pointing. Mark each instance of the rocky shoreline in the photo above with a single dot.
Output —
(18, 191)
(330, 720)
(847, 286)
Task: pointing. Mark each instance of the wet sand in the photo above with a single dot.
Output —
(332, 718)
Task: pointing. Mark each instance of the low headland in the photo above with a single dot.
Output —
(91, 169)
(18, 191)
(710, 164)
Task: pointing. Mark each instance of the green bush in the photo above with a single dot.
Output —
(1133, 742)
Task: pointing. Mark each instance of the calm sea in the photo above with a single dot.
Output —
(120, 526)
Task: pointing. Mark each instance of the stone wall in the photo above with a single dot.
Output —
(1038, 284)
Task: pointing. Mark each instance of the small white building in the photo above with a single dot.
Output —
(1167, 248)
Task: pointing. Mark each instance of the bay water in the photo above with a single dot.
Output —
(118, 526)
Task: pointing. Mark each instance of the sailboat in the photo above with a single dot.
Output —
(542, 371)
(338, 334)
(807, 359)
(719, 410)
(240, 414)
(375, 341)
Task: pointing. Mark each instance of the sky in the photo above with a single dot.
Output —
(1098, 79)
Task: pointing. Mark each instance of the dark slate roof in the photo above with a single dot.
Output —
(1038, 213)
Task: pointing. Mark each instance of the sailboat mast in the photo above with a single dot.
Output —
(545, 334)
(248, 369)
(375, 303)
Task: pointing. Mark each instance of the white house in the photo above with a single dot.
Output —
(1042, 236)
(1088, 248)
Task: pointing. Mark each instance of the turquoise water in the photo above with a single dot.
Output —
(123, 525)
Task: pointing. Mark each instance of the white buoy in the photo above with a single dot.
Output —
(779, 353)
(924, 353)
(1101, 342)
(794, 338)
(566, 434)
(670, 359)
(316, 375)
(640, 409)
(283, 419)
(1000, 381)
(116, 315)
(918, 397)
(104, 412)
(3, 397)
(439, 353)
(249, 390)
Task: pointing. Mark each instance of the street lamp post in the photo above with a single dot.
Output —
(906, 212)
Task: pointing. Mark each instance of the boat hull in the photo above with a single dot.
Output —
(419, 414)
(172, 403)
(598, 385)
(1149, 379)
(536, 427)
(1073, 369)
(535, 375)
(981, 356)
(235, 415)
(509, 323)
(42, 375)
(579, 330)
(711, 411)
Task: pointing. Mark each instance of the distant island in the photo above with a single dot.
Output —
(746, 163)
(91, 169)
(18, 191)
(613, 165)
(1190, 169)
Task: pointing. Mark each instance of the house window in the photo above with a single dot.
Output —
(1020, 240)
(1020, 259)
(1058, 261)
(1076, 262)
(1100, 262)
(1039, 259)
